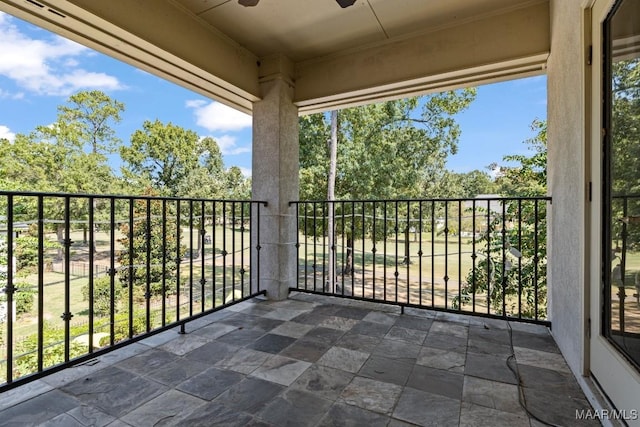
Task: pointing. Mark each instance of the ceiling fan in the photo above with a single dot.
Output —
(251, 3)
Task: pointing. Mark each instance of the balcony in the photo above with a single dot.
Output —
(429, 312)
(315, 360)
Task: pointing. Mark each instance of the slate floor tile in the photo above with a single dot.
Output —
(341, 415)
(306, 350)
(364, 343)
(414, 322)
(548, 380)
(385, 369)
(312, 318)
(450, 328)
(492, 335)
(356, 313)
(479, 345)
(114, 391)
(295, 408)
(535, 341)
(327, 309)
(249, 395)
(412, 336)
(165, 408)
(436, 381)
(244, 361)
(373, 329)
(480, 416)
(372, 395)
(491, 394)
(272, 343)
(324, 381)
(210, 383)
(212, 352)
(205, 415)
(63, 420)
(323, 335)
(427, 409)
(292, 329)
(183, 344)
(557, 409)
(177, 371)
(90, 416)
(281, 370)
(344, 359)
(38, 409)
(379, 317)
(446, 342)
(148, 361)
(340, 323)
(441, 359)
(489, 367)
(398, 350)
(241, 337)
(26, 392)
(541, 359)
(214, 331)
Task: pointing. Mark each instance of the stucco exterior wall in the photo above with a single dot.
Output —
(566, 179)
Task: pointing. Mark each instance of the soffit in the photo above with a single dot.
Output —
(306, 29)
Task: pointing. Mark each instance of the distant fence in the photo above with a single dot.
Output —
(79, 269)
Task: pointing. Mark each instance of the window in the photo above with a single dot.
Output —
(621, 179)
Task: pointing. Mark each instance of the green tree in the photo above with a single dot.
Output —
(174, 161)
(237, 186)
(67, 156)
(92, 115)
(513, 260)
(395, 149)
(529, 176)
(150, 257)
(388, 150)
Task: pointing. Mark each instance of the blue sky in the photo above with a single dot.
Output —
(39, 70)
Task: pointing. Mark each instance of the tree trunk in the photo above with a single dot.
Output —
(331, 187)
(348, 266)
(60, 236)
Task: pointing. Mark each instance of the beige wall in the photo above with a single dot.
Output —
(567, 184)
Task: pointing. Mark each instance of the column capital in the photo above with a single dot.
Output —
(276, 67)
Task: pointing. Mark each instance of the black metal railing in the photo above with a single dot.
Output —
(482, 256)
(622, 299)
(84, 274)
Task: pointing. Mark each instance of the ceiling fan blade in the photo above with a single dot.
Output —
(345, 3)
(248, 3)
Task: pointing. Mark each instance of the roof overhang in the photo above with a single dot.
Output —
(401, 53)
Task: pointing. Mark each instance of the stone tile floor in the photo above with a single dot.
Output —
(314, 361)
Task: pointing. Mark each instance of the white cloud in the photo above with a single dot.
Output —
(195, 103)
(47, 66)
(228, 145)
(9, 95)
(6, 133)
(216, 117)
(245, 171)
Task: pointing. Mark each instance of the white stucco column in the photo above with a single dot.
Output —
(275, 177)
(567, 182)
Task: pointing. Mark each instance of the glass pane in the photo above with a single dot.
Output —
(622, 197)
